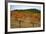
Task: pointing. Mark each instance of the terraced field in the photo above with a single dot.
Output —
(25, 18)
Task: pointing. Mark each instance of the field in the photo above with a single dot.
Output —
(25, 18)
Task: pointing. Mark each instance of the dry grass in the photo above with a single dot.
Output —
(24, 20)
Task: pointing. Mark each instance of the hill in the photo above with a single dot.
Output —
(29, 10)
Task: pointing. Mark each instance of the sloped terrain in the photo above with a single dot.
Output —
(25, 18)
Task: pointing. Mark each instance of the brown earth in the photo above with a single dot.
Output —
(24, 20)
